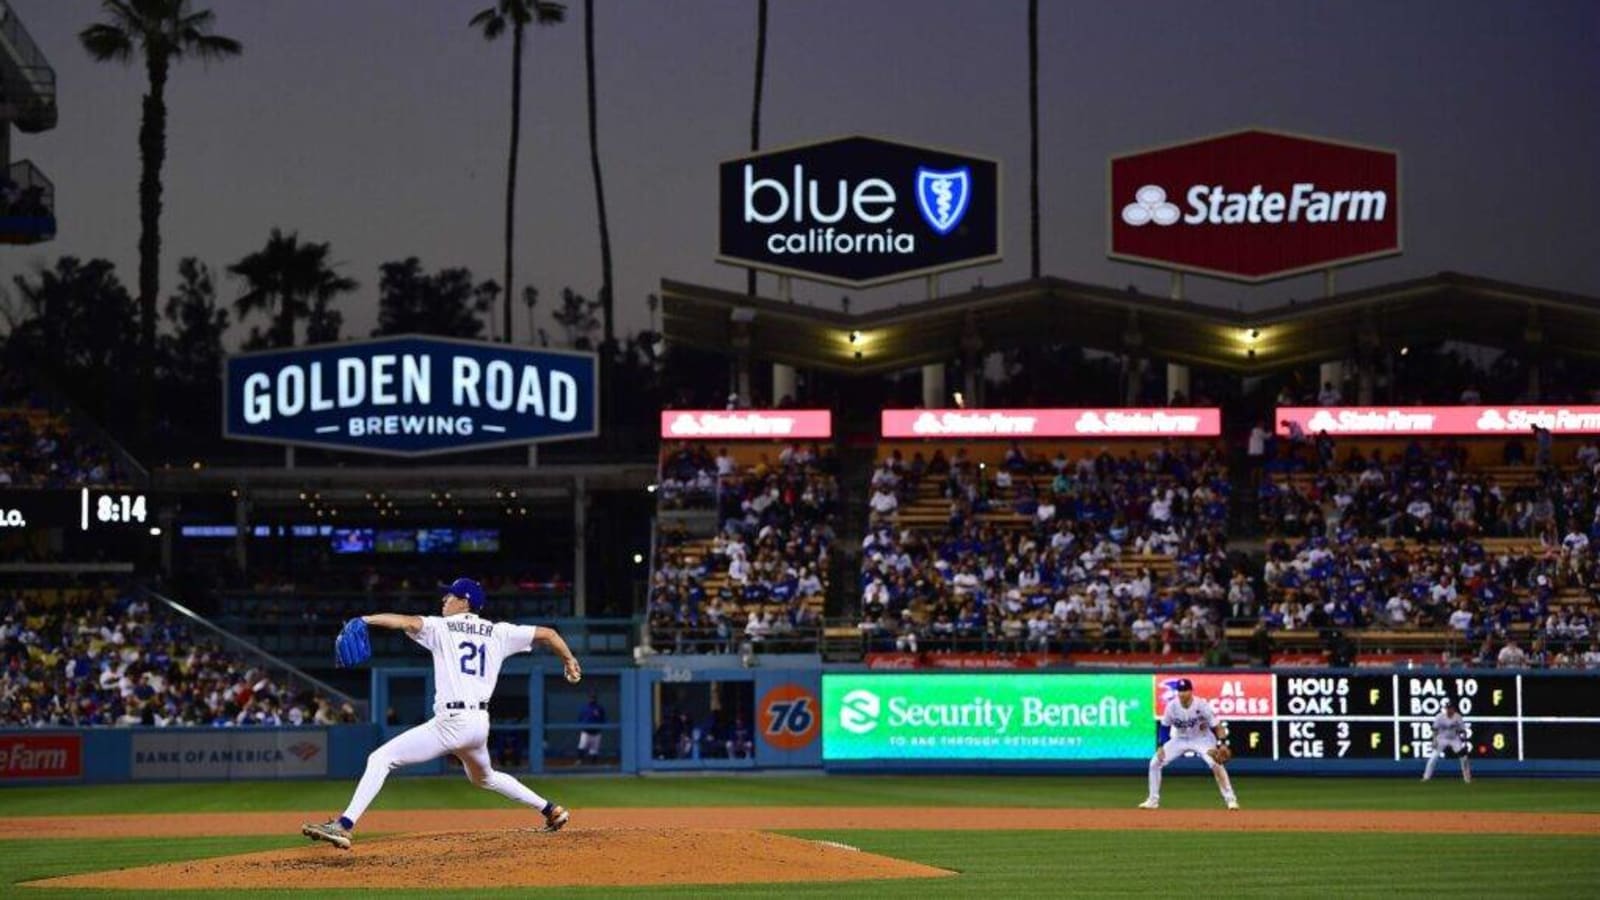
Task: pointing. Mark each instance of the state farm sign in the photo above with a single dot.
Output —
(1439, 420)
(714, 424)
(1254, 205)
(29, 756)
(1046, 423)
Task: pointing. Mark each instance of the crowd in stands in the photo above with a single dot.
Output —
(1035, 554)
(107, 657)
(758, 581)
(38, 448)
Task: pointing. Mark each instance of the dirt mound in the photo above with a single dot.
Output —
(501, 859)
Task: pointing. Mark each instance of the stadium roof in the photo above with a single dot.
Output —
(1446, 306)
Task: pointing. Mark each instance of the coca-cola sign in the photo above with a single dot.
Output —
(1048, 423)
(716, 424)
(1254, 205)
(1438, 420)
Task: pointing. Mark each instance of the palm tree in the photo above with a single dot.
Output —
(289, 281)
(493, 21)
(161, 32)
(607, 306)
(755, 111)
(1033, 130)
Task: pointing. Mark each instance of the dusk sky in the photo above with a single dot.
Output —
(381, 127)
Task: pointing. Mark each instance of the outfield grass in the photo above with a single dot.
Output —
(1095, 863)
(1181, 790)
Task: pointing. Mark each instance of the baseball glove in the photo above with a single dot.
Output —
(1220, 754)
(353, 646)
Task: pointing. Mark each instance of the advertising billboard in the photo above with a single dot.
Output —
(411, 396)
(1399, 421)
(1010, 717)
(196, 754)
(1254, 205)
(746, 424)
(1051, 423)
(37, 755)
(858, 211)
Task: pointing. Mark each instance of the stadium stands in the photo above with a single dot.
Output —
(757, 575)
(106, 656)
(40, 448)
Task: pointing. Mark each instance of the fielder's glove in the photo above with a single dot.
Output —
(1220, 754)
(353, 646)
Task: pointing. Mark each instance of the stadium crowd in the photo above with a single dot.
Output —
(1035, 555)
(105, 657)
(38, 448)
(759, 579)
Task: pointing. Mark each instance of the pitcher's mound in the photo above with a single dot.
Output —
(496, 859)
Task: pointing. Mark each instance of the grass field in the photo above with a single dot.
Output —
(990, 863)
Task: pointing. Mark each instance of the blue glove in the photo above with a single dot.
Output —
(353, 646)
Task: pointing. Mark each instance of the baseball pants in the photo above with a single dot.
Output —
(1440, 748)
(463, 733)
(1174, 749)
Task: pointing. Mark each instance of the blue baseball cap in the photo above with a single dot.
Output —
(1183, 684)
(468, 590)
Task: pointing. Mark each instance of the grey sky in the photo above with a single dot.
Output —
(381, 126)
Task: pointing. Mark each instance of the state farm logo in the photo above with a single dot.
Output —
(1491, 421)
(1112, 422)
(12, 518)
(40, 756)
(730, 425)
(1379, 421)
(1150, 205)
(859, 711)
(1214, 204)
(981, 423)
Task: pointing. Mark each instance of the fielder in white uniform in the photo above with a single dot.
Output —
(1194, 727)
(1450, 736)
(467, 653)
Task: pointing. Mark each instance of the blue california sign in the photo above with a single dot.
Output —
(411, 396)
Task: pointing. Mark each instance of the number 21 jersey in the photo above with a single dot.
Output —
(467, 653)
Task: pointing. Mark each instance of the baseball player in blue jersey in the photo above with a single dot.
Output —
(467, 653)
(1194, 726)
(1450, 737)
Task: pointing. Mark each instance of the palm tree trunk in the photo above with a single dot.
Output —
(755, 112)
(152, 155)
(1033, 132)
(511, 171)
(607, 305)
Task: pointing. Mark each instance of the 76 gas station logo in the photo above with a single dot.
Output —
(788, 716)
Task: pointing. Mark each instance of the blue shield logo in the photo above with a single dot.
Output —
(942, 197)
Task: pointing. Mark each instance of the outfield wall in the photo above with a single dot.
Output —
(800, 716)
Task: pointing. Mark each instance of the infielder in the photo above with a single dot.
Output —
(467, 653)
(1450, 736)
(1194, 727)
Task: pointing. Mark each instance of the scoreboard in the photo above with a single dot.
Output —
(1321, 715)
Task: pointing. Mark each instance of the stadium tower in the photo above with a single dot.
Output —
(28, 103)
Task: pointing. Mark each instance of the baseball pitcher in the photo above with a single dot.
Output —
(467, 653)
(1450, 738)
(1194, 726)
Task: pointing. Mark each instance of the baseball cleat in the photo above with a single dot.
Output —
(1151, 803)
(556, 818)
(1233, 804)
(328, 831)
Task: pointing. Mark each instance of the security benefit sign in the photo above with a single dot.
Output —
(986, 717)
(859, 211)
(1254, 205)
(184, 754)
(411, 396)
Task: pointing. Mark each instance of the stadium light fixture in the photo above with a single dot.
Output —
(155, 531)
(638, 558)
(855, 337)
(650, 489)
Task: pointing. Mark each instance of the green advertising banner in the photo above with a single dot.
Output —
(999, 716)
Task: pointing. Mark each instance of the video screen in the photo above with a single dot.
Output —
(436, 540)
(396, 541)
(351, 540)
(480, 540)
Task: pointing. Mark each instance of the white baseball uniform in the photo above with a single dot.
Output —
(1191, 730)
(467, 653)
(1449, 736)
